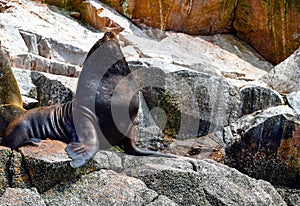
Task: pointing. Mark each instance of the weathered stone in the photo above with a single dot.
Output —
(44, 48)
(30, 41)
(53, 89)
(194, 103)
(194, 17)
(271, 27)
(5, 154)
(4, 5)
(284, 77)
(235, 46)
(274, 34)
(68, 4)
(48, 164)
(256, 98)
(27, 88)
(194, 53)
(38, 63)
(147, 134)
(18, 173)
(95, 14)
(21, 197)
(108, 160)
(210, 146)
(290, 196)
(190, 182)
(294, 100)
(104, 187)
(266, 146)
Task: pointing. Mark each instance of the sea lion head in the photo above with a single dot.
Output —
(108, 36)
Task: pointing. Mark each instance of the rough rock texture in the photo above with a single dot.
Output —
(193, 103)
(290, 196)
(271, 27)
(135, 181)
(190, 182)
(210, 146)
(284, 77)
(294, 100)
(104, 187)
(175, 71)
(266, 146)
(256, 98)
(148, 132)
(5, 154)
(21, 197)
(48, 164)
(194, 17)
(52, 89)
(96, 15)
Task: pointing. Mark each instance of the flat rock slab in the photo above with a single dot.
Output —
(104, 187)
(21, 197)
(48, 163)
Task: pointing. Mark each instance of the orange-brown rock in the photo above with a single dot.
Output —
(193, 17)
(271, 27)
(92, 13)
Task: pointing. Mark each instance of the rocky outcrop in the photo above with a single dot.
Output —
(135, 181)
(271, 27)
(194, 17)
(193, 86)
(104, 187)
(266, 145)
(188, 99)
(255, 97)
(285, 76)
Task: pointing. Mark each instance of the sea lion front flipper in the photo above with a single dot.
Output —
(76, 151)
(86, 143)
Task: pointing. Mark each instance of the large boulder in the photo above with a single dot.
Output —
(271, 27)
(265, 145)
(194, 17)
(191, 182)
(274, 34)
(256, 97)
(284, 77)
(104, 187)
(194, 103)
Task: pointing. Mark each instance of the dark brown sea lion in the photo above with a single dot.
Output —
(101, 115)
(10, 97)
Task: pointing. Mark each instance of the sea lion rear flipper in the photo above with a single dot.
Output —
(32, 141)
(128, 145)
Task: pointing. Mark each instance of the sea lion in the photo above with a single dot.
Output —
(10, 97)
(87, 123)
